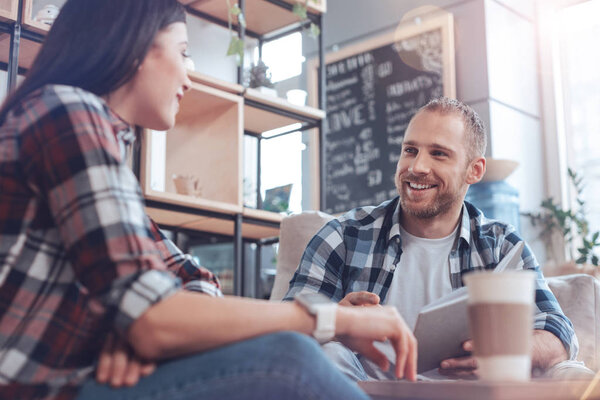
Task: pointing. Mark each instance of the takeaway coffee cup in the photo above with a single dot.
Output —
(501, 323)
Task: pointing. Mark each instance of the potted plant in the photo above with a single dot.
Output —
(259, 77)
(571, 227)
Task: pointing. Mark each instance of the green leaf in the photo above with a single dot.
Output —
(235, 10)
(581, 260)
(314, 30)
(236, 47)
(242, 20)
(300, 10)
(595, 237)
(595, 260)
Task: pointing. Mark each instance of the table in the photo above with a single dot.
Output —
(479, 390)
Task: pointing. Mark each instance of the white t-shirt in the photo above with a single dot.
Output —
(421, 276)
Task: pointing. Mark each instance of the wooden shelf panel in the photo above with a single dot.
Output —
(206, 143)
(258, 120)
(214, 225)
(262, 17)
(27, 50)
(262, 215)
(216, 83)
(195, 202)
(8, 10)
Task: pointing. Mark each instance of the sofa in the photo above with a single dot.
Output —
(578, 294)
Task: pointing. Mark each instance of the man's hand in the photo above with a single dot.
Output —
(119, 366)
(359, 327)
(363, 298)
(460, 367)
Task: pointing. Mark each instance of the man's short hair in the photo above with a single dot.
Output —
(474, 126)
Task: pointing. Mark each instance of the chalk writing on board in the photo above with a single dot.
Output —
(371, 97)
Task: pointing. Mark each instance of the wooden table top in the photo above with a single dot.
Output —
(479, 390)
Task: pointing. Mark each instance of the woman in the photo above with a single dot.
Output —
(81, 264)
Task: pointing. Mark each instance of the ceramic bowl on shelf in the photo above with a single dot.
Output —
(498, 169)
(47, 14)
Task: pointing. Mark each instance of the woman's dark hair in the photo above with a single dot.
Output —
(96, 45)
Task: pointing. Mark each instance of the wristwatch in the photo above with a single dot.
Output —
(324, 310)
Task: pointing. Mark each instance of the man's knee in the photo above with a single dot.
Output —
(569, 370)
(345, 360)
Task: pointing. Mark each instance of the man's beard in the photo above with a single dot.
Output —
(440, 205)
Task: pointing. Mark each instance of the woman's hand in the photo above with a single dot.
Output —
(359, 327)
(119, 366)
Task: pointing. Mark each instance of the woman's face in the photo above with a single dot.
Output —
(162, 79)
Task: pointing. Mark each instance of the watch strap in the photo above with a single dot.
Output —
(325, 322)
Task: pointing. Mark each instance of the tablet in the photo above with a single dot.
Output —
(441, 329)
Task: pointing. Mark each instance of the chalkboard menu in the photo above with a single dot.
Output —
(371, 97)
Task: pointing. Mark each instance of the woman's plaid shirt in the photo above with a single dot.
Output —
(78, 255)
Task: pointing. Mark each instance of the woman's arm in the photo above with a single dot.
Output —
(188, 322)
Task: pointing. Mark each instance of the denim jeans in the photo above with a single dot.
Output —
(278, 366)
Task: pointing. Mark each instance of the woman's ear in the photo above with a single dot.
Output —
(476, 170)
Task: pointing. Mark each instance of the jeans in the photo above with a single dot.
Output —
(283, 365)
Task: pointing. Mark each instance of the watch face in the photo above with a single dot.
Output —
(313, 298)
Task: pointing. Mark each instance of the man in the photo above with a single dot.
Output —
(414, 249)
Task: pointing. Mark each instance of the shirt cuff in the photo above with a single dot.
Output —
(203, 287)
(147, 289)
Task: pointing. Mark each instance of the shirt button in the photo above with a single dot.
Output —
(397, 240)
(393, 267)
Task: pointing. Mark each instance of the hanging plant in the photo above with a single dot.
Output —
(301, 11)
(236, 45)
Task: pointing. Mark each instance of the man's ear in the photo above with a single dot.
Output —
(476, 170)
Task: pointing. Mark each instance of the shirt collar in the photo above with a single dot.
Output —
(121, 128)
(464, 229)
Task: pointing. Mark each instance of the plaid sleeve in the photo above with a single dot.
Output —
(549, 315)
(195, 277)
(72, 157)
(322, 263)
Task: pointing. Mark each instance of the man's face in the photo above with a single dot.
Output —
(431, 176)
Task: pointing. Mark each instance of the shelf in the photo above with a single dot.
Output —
(30, 10)
(262, 16)
(215, 82)
(264, 112)
(262, 215)
(193, 202)
(27, 50)
(251, 229)
(8, 10)
(206, 143)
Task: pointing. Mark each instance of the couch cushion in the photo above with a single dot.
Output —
(295, 233)
(579, 298)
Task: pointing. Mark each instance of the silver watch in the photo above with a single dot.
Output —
(324, 311)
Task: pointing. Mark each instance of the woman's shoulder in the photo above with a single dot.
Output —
(51, 97)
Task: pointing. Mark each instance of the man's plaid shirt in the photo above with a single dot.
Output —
(348, 253)
(78, 255)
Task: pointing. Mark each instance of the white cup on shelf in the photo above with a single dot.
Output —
(296, 96)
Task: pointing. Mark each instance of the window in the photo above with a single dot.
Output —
(577, 76)
(283, 57)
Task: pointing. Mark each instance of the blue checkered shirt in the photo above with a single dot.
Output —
(348, 253)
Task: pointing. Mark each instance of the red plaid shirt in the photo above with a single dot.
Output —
(79, 257)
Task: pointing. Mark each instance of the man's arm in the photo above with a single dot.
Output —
(547, 350)
(322, 264)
